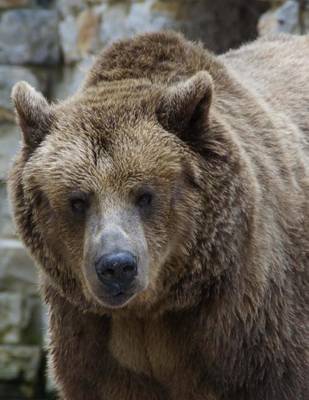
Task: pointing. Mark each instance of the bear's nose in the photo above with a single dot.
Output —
(116, 270)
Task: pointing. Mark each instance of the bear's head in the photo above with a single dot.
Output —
(109, 188)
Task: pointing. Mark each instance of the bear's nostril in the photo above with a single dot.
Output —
(128, 268)
(109, 271)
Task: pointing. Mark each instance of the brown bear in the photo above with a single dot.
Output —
(166, 204)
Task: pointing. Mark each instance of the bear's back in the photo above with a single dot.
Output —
(277, 70)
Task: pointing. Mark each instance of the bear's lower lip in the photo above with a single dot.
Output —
(116, 300)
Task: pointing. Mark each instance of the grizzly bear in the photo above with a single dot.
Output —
(166, 204)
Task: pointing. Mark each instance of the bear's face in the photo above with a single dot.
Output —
(112, 190)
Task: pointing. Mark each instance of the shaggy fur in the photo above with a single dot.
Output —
(224, 144)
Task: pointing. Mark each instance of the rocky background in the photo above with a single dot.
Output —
(50, 44)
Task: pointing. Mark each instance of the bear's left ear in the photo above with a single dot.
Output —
(186, 104)
(34, 114)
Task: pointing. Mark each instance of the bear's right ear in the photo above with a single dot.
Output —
(185, 104)
(33, 112)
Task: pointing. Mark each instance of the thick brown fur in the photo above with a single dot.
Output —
(225, 312)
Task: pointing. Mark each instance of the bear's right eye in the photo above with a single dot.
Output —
(79, 203)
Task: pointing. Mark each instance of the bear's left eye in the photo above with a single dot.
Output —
(144, 199)
(79, 203)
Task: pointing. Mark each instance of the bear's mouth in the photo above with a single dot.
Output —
(116, 295)
(117, 300)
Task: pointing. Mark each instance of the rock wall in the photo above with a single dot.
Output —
(50, 44)
(291, 16)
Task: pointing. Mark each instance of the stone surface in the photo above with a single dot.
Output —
(205, 20)
(123, 19)
(19, 319)
(68, 32)
(70, 79)
(7, 228)
(87, 26)
(15, 3)
(9, 143)
(11, 317)
(18, 362)
(78, 35)
(8, 76)
(29, 37)
(71, 7)
(17, 272)
(287, 18)
(88, 30)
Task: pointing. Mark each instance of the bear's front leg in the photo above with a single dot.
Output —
(83, 367)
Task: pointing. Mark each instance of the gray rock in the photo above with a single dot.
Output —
(29, 37)
(19, 362)
(68, 32)
(18, 319)
(88, 25)
(7, 228)
(17, 271)
(9, 75)
(15, 3)
(284, 19)
(11, 317)
(205, 20)
(70, 7)
(79, 35)
(287, 16)
(70, 79)
(121, 19)
(9, 143)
